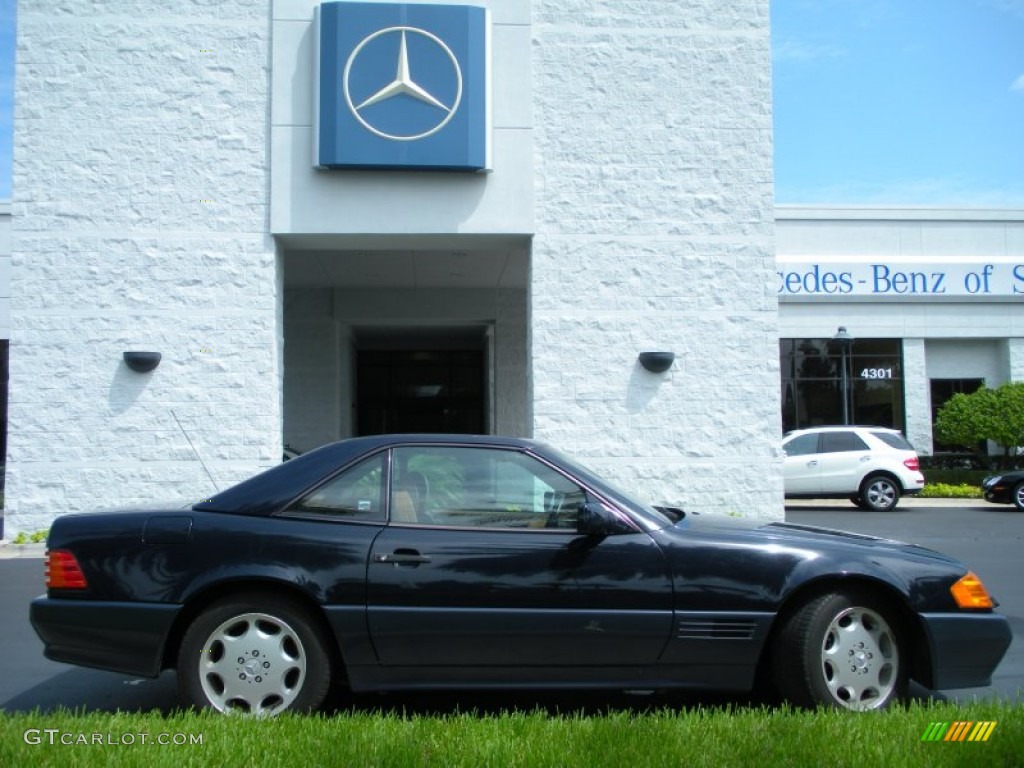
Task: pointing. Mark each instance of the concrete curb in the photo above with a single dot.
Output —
(9, 551)
(907, 502)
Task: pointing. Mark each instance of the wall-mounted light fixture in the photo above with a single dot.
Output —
(657, 362)
(142, 362)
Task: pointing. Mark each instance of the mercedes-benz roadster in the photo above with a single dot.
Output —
(452, 562)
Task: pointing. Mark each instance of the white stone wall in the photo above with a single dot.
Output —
(917, 396)
(5, 270)
(1014, 359)
(140, 208)
(655, 231)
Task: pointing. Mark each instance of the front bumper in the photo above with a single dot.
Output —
(120, 637)
(966, 647)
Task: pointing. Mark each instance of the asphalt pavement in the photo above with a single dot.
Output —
(987, 537)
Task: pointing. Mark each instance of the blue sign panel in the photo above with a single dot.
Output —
(402, 86)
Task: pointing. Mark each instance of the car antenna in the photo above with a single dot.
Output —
(195, 451)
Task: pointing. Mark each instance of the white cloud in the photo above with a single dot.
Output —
(1018, 84)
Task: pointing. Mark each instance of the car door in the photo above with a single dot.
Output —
(843, 458)
(801, 468)
(481, 564)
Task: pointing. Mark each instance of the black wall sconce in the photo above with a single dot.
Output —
(657, 362)
(142, 362)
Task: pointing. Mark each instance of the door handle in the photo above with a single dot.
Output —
(402, 558)
(812, 463)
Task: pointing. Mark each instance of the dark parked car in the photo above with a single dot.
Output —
(418, 561)
(1005, 488)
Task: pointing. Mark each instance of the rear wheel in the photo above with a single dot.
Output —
(842, 651)
(255, 654)
(879, 493)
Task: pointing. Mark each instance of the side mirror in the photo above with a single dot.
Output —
(597, 520)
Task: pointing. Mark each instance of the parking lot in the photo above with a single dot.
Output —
(988, 538)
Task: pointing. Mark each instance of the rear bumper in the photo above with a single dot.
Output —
(966, 648)
(912, 483)
(120, 637)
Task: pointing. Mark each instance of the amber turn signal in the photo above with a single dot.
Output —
(969, 592)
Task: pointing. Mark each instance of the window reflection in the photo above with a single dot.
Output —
(812, 389)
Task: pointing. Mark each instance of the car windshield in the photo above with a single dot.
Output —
(651, 516)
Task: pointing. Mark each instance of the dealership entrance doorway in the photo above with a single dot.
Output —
(386, 340)
(410, 380)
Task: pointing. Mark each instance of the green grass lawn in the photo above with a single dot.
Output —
(691, 737)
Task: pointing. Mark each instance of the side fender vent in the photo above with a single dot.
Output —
(716, 629)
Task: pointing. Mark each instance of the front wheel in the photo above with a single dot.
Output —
(879, 493)
(255, 654)
(842, 651)
(1018, 496)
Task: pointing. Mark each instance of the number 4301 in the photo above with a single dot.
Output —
(876, 373)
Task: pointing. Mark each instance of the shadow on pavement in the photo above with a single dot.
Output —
(98, 691)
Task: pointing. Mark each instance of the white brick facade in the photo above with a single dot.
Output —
(140, 222)
(160, 150)
(653, 159)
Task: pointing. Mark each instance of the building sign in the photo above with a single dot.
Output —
(899, 279)
(402, 86)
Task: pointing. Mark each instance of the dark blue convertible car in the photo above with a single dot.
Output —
(419, 561)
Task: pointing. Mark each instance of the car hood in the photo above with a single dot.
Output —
(802, 535)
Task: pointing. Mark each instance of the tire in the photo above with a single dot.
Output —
(1018, 496)
(256, 654)
(859, 503)
(880, 493)
(842, 651)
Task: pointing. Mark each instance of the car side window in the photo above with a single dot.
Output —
(839, 442)
(355, 494)
(480, 488)
(893, 440)
(802, 445)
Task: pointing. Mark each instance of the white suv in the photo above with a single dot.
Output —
(872, 466)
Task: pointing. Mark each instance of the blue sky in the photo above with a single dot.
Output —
(902, 102)
(915, 102)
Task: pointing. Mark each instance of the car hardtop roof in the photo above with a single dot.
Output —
(432, 437)
(269, 490)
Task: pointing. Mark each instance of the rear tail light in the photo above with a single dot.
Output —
(969, 592)
(63, 571)
(912, 464)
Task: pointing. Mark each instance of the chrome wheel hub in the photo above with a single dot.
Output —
(859, 659)
(253, 663)
(880, 494)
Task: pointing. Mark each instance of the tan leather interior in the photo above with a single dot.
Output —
(402, 510)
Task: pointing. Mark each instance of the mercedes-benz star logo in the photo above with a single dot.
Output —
(403, 84)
